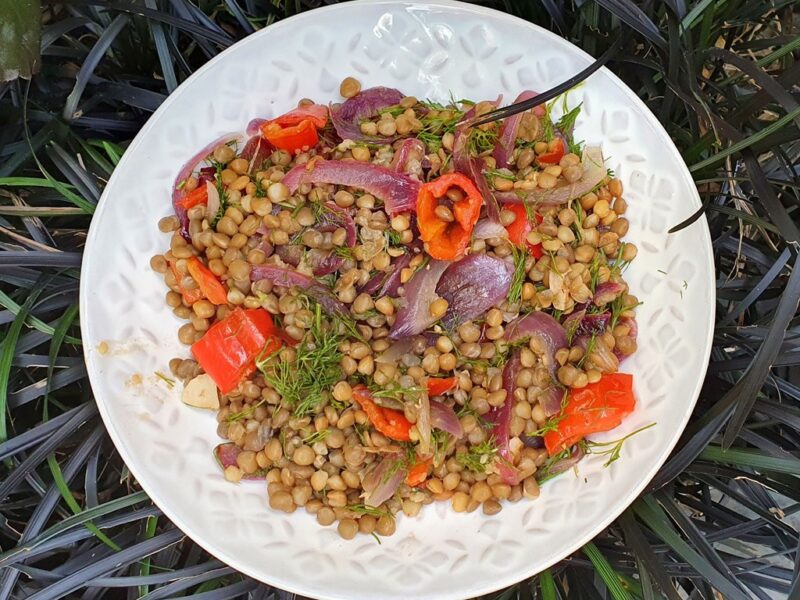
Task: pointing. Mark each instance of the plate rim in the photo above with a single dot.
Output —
(274, 579)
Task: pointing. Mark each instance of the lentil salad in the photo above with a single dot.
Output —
(387, 307)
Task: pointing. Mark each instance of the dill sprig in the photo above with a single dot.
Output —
(434, 125)
(480, 140)
(304, 382)
(518, 279)
(611, 449)
(245, 413)
(395, 392)
(317, 436)
(223, 196)
(478, 457)
(589, 349)
(168, 380)
(363, 509)
(618, 307)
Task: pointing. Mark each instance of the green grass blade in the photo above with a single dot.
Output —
(32, 321)
(547, 585)
(607, 573)
(751, 458)
(144, 565)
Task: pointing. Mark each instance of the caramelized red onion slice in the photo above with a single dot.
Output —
(254, 126)
(415, 316)
(347, 117)
(565, 464)
(552, 336)
(213, 204)
(579, 322)
(507, 140)
(288, 277)
(594, 171)
(410, 148)
(500, 417)
(473, 167)
(486, 229)
(185, 171)
(443, 417)
(607, 292)
(398, 191)
(472, 286)
(386, 283)
(256, 150)
(226, 455)
(380, 483)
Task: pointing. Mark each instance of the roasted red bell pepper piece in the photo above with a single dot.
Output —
(440, 385)
(190, 296)
(597, 407)
(552, 157)
(418, 472)
(208, 283)
(316, 113)
(292, 137)
(391, 423)
(518, 230)
(198, 195)
(448, 240)
(228, 350)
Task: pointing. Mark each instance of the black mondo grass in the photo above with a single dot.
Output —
(721, 517)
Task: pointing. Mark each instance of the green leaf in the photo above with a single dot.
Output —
(20, 34)
(751, 458)
(547, 585)
(607, 573)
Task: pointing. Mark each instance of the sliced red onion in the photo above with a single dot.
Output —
(500, 417)
(289, 277)
(185, 171)
(594, 171)
(473, 167)
(409, 148)
(214, 203)
(472, 286)
(507, 141)
(398, 191)
(207, 174)
(347, 117)
(254, 126)
(395, 352)
(415, 316)
(601, 357)
(565, 464)
(579, 322)
(386, 283)
(532, 441)
(443, 417)
(380, 483)
(256, 150)
(607, 292)
(486, 229)
(552, 336)
(226, 455)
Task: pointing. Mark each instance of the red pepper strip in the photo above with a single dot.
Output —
(552, 157)
(228, 350)
(518, 230)
(440, 385)
(207, 281)
(316, 113)
(391, 423)
(293, 137)
(418, 473)
(597, 407)
(198, 195)
(190, 296)
(448, 240)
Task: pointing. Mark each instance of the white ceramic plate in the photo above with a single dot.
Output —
(426, 49)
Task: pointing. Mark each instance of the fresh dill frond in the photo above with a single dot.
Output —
(304, 383)
(344, 252)
(548, 131)
(618, 307)
(567, 120)
(518, 278)
(435, 125)
(589, 349)
(245, 413)
(261, 191)
(478, 457)
(613, 448)
(594, 271)
(168, 380)
(393, 238)
(501, 174)
(223, 196)
(363, 509)
(480, 140)
(395, 392)
(317, 436)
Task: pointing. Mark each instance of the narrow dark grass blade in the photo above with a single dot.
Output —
(37, 434)
(6, 356)
(162, 49)
(637, 542)
(90, 64)
(745, 390)
(83, 182)
(655, 518)
(757, 289)
(633, 16)
(606, 572)
(106, 565)
(181, 574)
(239, 15)
(172, 589)
(751, 458)
(39, 258)
(36, 390)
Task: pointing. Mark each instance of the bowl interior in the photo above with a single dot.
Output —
(431, 50)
